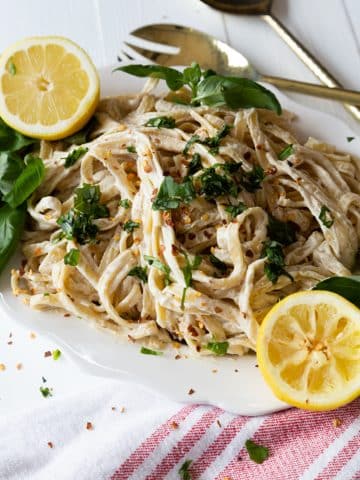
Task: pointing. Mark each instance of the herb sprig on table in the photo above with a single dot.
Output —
(208, 88)
(20, 174)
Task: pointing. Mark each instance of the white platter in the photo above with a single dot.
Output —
(237, 386)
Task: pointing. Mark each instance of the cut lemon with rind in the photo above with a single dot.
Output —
(49, 87)
(308, 350)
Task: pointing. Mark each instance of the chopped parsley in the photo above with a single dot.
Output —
(45, 392)
(148, 351)
(56, 354)
(161, 122)
(130, 226)
(131, 149)
(282, 232)
(77, 223)
(187, 272)
(325, 216)
(155, 262)
(195, 164)
(74, 156)
(12, 68)
(139, 272)
(274, 267)
(125, 203)
(212, 142)
(215, 185)
(184, 470)
(235, 210)
(350, 139)
(252, 180)
(257, 453)
(72, 257)
(217, 263)
(172, 194)
(286, 152)
(219, 348)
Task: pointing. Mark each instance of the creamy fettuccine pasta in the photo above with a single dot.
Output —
(181, 224)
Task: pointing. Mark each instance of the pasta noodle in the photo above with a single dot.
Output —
(315, 190)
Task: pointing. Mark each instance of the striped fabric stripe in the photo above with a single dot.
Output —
(303, 445)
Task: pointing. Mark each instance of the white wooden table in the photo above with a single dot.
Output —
(329, 28)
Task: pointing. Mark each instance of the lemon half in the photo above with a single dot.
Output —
(49, 87)
(308, 350)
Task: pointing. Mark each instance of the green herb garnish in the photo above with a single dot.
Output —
(161, 122)
(131, 149)
(235, 210)
(274, 267)
(148, 351)
(72, 257)
(187, 272)
(56, 354)
(217, 263)
(214, 142)
(155, 262)
(282, 232)
(252, 180)
(78, 222)
(214, 185)
(125, 203)
(195, 164)
(193, 139)
(208, 88)
(219, 348)
(45, 392)
(325, 217)
(139, 272)
(286, 152)
(130, 226)
(74, 156)
(172, 194)
(257, 453)
(350, 139)
(347, 287)
(184, 470)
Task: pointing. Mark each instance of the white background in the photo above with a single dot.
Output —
(329, 28)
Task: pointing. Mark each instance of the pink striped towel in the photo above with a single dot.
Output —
(123, 432)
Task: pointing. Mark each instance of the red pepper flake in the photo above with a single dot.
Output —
(47, 354)
(66, 314)
(19, 366)
(192, 330)
(174, 425)
(89, 426)
(191, 391)
(174, 250)
(177, 357)
(50, 444)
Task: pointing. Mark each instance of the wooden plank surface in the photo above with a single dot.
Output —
(329, 28)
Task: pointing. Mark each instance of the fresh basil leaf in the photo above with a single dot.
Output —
(325, 217)
(74, 156)
(192, 76)
(87, 201)
(217, 263)
(282, 232)
(172, 194)
(235, 210)
(140, 273)
(235, 92)
(28, 181)
(155, 262)
(72, 257)
(286, 152)
(274, 267)
(11, 227)
(11, 140)
(161, 122)
(195, 164)
(130, 226)
(77, 225)
(173, 78)
(148, 351)
(187, 272)
(214, 142)
(257, 453)
(219, 348)
(184, 470)
(347, 287)
(11, 165)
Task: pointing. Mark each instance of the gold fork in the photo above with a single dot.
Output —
(170, 44)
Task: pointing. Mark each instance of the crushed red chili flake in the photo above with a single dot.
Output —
(66, 314)
(174, 425)
(89, 426)
(198, 348)
(177, 357)
(50, 444)
(192, 330)
(191, 391)
(47, 354)
(271, 171)
(174, 250)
